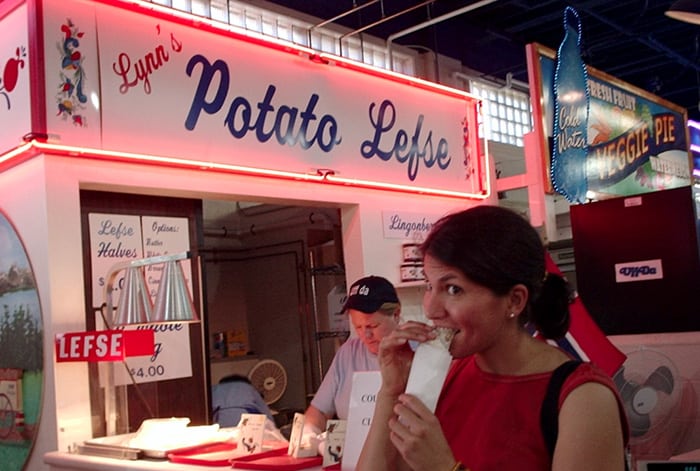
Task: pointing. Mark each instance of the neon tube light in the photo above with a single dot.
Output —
(169, 161)
(17, 151)
(327, 176)
(404, 188)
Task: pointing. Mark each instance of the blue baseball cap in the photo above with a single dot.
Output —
(369, 294)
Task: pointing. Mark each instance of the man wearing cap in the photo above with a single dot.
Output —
(374, 310)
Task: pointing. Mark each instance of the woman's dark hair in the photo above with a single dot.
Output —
(497, 248)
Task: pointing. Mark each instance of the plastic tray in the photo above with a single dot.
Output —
(221, 454)
(215, 454)
(276, 460)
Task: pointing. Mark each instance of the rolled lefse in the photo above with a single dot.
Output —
(429, 368)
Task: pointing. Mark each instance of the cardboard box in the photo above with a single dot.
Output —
(236, 343)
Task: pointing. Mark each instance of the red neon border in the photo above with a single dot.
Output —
(39, 124)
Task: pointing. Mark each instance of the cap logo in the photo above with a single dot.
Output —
(363, 290)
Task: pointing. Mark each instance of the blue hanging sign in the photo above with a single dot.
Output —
(571, 98)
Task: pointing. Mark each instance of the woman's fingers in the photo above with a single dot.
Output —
(408, 430)
(411, 331)
(412, 415)
(415, 406)
(416, 433)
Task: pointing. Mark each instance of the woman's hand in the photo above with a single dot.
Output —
(395, 355)
(418, 437)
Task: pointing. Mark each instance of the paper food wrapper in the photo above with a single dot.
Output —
(429, 368)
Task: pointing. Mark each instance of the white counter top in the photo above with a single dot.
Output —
(73, 462)
(60, 461)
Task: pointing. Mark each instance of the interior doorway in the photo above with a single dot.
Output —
(273, 281)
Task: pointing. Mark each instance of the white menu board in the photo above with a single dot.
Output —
(163, 236)
(118, 238)
(114, 238)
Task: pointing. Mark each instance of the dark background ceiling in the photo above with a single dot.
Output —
(630, 39)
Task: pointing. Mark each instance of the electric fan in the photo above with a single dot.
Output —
(270, 379)
(648, 383)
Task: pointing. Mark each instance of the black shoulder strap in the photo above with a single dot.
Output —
(549, 414)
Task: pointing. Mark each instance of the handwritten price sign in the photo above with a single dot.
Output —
(170, 358)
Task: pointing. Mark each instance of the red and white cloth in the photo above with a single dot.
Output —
(585, 340)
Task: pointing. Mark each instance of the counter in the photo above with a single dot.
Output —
(73, 462)
(61, 461)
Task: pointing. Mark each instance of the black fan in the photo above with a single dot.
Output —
(641, 396)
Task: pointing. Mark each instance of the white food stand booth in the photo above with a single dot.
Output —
(129, 98)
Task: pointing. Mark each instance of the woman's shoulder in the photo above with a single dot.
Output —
(589, 372)
(593, 389)
(595, 382)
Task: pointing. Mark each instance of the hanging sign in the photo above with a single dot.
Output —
(570, 148)
(15, 102)
(408, 226)
(637, 142)
(217, 96)
(103, 345)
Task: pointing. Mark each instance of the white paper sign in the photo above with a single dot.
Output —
(298, 447)
(117, 238)
(114, 238)
(170, 360)
(335, 442)
(408, 226)
(252, 429)
(337, 320)
(162, 236)
(365, 385)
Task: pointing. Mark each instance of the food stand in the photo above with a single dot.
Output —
(170, 105)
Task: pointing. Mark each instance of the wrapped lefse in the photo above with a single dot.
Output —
(429, 368)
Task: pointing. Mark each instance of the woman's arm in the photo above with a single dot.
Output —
(590, 431)
(395, 356)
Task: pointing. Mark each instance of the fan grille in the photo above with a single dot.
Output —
(647, 383)
(270, 379)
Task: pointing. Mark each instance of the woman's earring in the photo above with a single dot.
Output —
(511, 315)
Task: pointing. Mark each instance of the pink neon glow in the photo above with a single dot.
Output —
(22, 152)
(320, 177)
